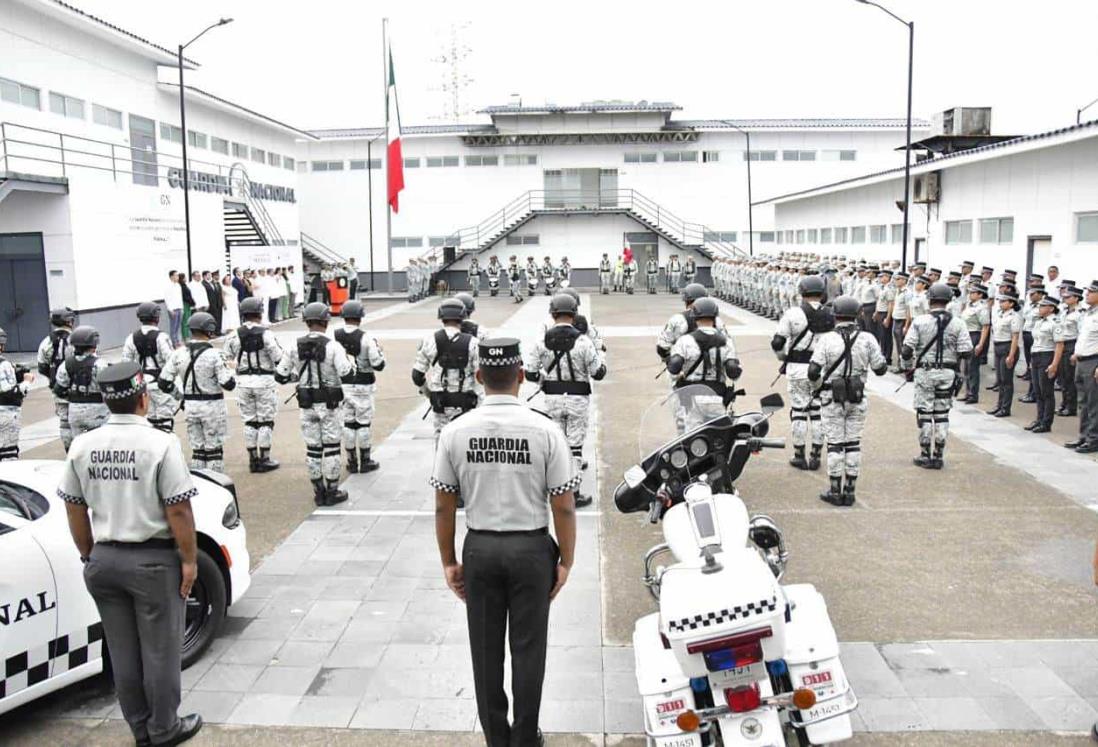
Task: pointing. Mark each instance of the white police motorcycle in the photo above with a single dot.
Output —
(732, 657)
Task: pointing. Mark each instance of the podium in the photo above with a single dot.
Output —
(338, 294)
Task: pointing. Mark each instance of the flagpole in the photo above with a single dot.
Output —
(388, 204)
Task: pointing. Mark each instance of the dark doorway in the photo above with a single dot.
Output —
(24, 301)
(143, 151)
(1038, 254)
(918, 250)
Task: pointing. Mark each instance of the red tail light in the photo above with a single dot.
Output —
(731, 652)
(743, 699)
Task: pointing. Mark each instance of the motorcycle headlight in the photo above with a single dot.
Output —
(761, 428)
(231, 518)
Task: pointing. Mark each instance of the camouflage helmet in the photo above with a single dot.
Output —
(200, 322)
(846, 307)
(317, 312)
(563, 303)
(84, 336)
(251, 307)
(149, 311)
(352, 310)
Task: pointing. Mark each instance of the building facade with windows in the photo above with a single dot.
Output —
(1020, 204)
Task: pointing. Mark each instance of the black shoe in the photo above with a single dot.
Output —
(834, 496)
(334, 495)
(253, 461)
(1027, 399)
(1090, 447)
(1041, 429)
(924, 459)
(848, 491)
(582, 501)
(367, 464)
(1003, 414)
(970, 400)
(352, 461)
(798, 459)
(994, 412)
(1031, 426)
(189, 725)
(1066, 413)
(814, 458)
(320, 496)
(266, 464)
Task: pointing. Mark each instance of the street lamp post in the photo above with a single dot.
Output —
(907, 150)
(183, 127)
(1079, 111)
(750, 208)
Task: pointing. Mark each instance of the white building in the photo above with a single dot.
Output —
(1021, 204)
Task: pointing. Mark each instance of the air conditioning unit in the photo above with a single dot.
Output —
(927, 187)
(963, 120)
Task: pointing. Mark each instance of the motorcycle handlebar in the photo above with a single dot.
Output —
(768, 443)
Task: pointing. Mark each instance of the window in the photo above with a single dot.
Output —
(66, 105)
(1086, 227)
(259, 155)
(411, 163)
(958, 232)
(327, 165)
(840, 235)
(996, 230)
(530, 239)
(800, 236)
(273, 159)
(641, 158)
(482, 160)
(837, 155)
(171, 133)
(357, 165)
(798, 155)
(789, 237)
(679, 156)
(436, 162)
(407, 242)
(767, 236)
(520, 159)
(825, 235)
(762, 155)
(287, 163)
(711, 156)
(878, 234)
(17, 93)
(102, 115)
(219, 145)
(812, 234)
(897, 233)
(240, 150)
(196, 139)
(726, 236)
(857, 235)
(437, 241)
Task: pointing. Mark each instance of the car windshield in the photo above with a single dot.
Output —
(21, 501)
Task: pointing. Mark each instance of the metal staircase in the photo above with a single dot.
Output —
(646, 212)
(241, 228)
(318, 252)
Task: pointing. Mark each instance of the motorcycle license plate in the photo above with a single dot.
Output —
(684, 740)
(739, 675)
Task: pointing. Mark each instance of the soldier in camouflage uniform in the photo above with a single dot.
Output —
(841, 361)
(514, 279)
(358, 387)
(413, 280)
(51, 353)
(77, 381)
(705, 357)
(468, 326)
(257, 353)
(150, 348)
(794, 342)
(934, 348)
(651, 273)
(446, 364)
(474, 276)
(531, 271)
(199, 371)
(683, 322)
(14, 382)
(565, 362)
(318, 364)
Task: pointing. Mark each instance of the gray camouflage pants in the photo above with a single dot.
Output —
(442, 419)
(162, 409)
(843, 425)
(258, 407)
(61, 407)
(9, 433)
(933, 400)
(86, 416)
(569, 411)
(320, 429)
(804, 411)
(207, 426)
(358, 416)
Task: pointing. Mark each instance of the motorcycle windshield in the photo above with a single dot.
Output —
(675, 413)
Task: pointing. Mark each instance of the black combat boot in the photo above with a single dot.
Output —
(937, 462)
(798, 460)
(253, 461)
(320, 496)
(848, 491)
(814, 457)
(834, 496)
(367, 464)
(352, 461)
(266, 464)
(334, 495)
(924, 460)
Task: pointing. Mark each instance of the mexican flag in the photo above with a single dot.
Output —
(394, 159)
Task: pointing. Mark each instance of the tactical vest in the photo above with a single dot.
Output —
(712, 371)
(82, 387)
(474, 270)
(145, 344)
(652, 267)
(560, 340)
(351, 340)
(469, 327)
(452, 355)
(13, 398)
(251, 345)
(311, 390)
(196, 349)
(819, 321)
(59, 344)
(604, 266)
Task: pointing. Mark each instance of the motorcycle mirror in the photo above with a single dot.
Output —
(771, 403)
(634, 476)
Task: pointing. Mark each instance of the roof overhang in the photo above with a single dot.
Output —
(205, 98)
(579, 138)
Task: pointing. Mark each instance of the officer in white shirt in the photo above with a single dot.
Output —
(198, 292)
(1086, 375)
(173, 301)
(128, 495)
(513, 468)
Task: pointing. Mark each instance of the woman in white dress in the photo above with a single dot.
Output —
(230, 315)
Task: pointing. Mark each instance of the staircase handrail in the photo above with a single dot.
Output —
(318, 247)
(267, 227)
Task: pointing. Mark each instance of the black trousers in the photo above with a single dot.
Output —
(508, 577)
(1088, 399)
(1044, 386)
(1006, 376)
(1027, 348)
(898, 338)
(1066, 375)
(972, 367)
(884, 336)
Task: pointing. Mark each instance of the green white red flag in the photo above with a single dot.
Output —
(394, 160)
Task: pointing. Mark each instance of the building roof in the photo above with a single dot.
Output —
(957, 158)
(73, 12)
(370, 132)
(585, 107)
(812, 123)
(221, 103)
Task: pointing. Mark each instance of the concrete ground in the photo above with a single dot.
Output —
(981, 550)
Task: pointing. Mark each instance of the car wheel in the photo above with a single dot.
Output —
(205, 610)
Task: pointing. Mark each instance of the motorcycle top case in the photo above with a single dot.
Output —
(743, 596)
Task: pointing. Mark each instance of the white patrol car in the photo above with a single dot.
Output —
(50, 633)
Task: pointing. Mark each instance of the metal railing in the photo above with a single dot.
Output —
(662, 221)
(238, 177)
(321, 250)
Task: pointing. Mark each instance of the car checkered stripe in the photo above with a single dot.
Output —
(28, 668)
(721, 617)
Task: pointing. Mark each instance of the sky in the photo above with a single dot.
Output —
(319, 63)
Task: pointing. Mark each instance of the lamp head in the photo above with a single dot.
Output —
(224, 21)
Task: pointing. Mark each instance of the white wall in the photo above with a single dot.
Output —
(1040, 189)
(48, 214)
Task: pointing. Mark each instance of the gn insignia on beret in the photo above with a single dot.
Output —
(500, 351)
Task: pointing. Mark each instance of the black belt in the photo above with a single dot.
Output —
(84, 399)
(578, 388)
(944, 364)
(255, 372)
(510, 533)
(149, 544)
(199, 397)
